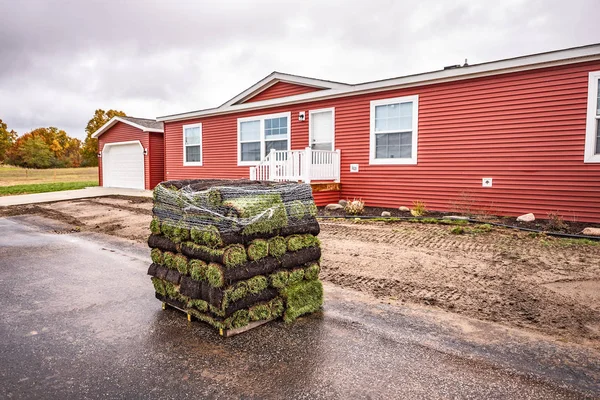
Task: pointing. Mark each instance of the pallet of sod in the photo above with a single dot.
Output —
(236, 254)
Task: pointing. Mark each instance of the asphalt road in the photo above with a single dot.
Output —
(79, 320)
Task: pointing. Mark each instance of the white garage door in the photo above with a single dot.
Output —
(123, 165)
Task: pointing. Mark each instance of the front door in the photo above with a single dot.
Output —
(321, 129)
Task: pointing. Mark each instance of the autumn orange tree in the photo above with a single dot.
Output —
(7, 139)
(45, 148)
(90, 145)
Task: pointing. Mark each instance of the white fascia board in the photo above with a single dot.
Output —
(275, 77)
(543, 60)
(114, 120)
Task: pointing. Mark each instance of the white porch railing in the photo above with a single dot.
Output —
(298, 165)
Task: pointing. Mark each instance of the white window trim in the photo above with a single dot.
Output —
(310, 129)
(592, 119)
(415, 134)
(192, 163)
(261, 118)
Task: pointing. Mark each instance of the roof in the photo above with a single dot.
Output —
(143, 124)
(275, 77)
(336, 89)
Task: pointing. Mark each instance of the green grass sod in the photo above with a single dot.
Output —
(302, 298)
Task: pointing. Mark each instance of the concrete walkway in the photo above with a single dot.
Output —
(71, 195)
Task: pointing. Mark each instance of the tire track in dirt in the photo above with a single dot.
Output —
(497, 276)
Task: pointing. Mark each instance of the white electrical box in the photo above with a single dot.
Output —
(486, 182)
(353, 167)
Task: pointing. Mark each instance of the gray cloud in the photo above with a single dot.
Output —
(63, 59)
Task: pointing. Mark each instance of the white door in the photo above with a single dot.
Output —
(123, 165)
(321, 129)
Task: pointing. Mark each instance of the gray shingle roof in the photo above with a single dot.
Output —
(145, 122)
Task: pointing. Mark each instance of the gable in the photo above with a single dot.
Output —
(280, 89)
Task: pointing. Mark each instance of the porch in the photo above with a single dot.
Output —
(306, 165)
(319, 168)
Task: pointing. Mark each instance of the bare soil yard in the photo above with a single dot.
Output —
(551, 286)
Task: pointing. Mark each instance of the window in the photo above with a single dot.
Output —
(258, 135)
(394, 130)
(592, 132)
(192, 144)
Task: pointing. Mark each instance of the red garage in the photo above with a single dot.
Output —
(131, 153)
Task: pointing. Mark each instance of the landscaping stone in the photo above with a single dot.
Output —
(386, 214)
(457, 217)
(591, 231)
(404, 209)
(526, 218)
(334, 207)
(343, 203)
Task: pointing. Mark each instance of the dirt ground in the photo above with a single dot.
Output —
(547, 285)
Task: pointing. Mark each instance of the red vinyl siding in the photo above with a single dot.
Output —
(121, 132)
(281, 89)
(526, 130)
(156, 155)
(326, 197)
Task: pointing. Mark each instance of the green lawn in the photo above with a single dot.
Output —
(44, 187)
(11, 175)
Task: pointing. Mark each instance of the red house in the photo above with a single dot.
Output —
(506, 137)
(131, 153)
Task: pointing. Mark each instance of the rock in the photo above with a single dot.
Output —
(333, 207)
(405, 209)
(343, 203)
(526, 218)
(386, 214)
(456, 217)
(591, 231)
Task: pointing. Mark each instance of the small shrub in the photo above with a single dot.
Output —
(556, 223)
(355, 207)
(419, 209)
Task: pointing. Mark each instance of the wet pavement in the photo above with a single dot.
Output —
(79, 320)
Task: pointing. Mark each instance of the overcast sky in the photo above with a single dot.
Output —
(61, 60)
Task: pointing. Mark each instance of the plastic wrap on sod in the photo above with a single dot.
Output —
(236, 254)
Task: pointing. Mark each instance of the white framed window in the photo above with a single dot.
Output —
(192, 145)
(592, 126)
(258, 135)
(394, 124)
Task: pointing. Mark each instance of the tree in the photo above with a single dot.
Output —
(7, 139)
(90, 145)
(34, 153)
(64, 150)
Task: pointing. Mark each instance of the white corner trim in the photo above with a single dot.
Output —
(592, 119)
(310, 129)
(114, 120)
(415, 132)
(260, 118)
(183, 146)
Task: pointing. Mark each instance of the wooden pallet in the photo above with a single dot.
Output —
(222, 332)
